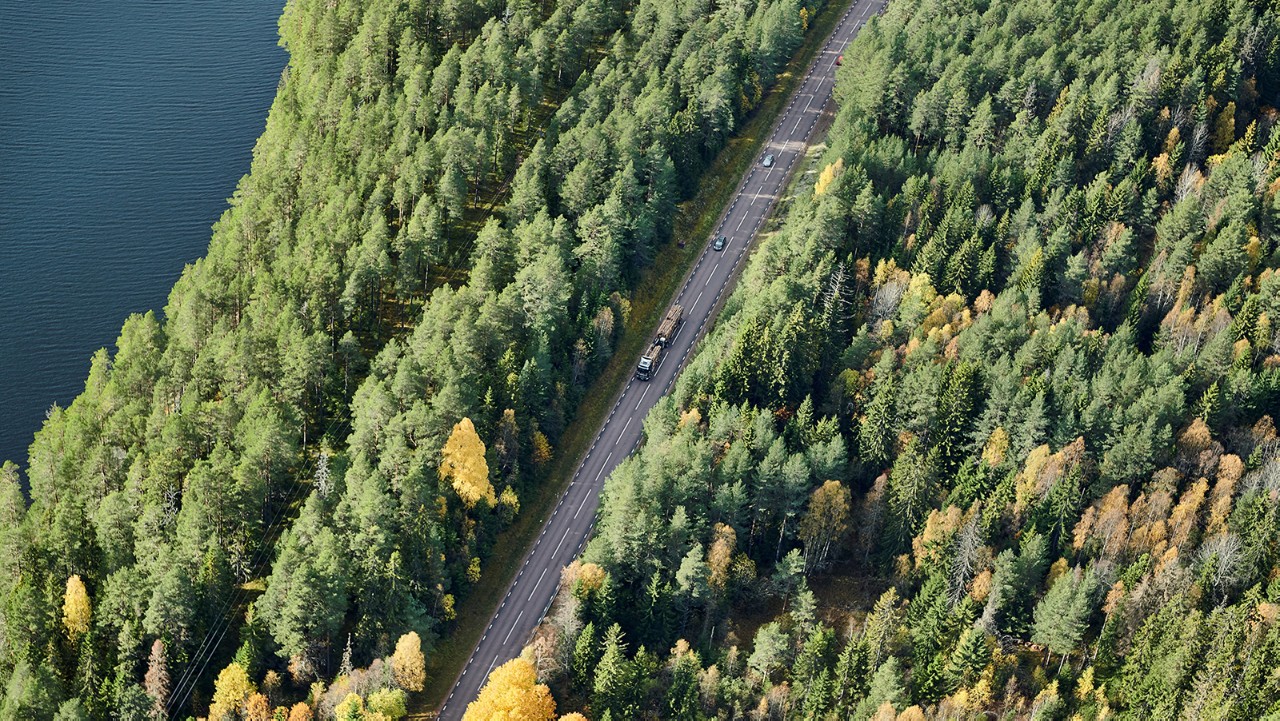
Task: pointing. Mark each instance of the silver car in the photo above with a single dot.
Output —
(768, 160)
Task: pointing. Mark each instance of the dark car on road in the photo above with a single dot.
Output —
(720, 243)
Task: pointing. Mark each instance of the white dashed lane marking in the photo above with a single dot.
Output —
(539, 583)
(508, 638)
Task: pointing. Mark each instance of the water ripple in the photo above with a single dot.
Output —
(124, 126)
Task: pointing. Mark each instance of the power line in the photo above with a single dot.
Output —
(223, 619)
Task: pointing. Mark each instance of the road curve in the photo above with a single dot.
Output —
(563, 535)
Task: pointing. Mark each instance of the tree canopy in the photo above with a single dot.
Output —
(1008, 365)
(444, 219)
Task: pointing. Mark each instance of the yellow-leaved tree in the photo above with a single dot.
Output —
(828, 176)
(408, 664)
(462, 462)
(230, 691)
(352, 707)
(826, 522)
(75, 608)
(513, 694)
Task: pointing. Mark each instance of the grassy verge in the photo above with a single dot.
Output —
(695, 219)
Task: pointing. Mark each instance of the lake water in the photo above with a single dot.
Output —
(124, 127)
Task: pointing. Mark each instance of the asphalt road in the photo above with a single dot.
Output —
(563, 535)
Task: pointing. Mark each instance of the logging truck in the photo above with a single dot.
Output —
(667, 330)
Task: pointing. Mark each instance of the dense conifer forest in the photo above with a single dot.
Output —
(988, 429)
(289, 481)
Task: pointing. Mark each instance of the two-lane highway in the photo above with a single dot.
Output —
(566, 531)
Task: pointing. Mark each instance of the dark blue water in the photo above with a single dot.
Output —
(124, 126)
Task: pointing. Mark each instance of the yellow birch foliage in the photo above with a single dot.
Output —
(592, 577)
(1056, 570)
(828, 176)
(1112, 526)
(76, 610)
(932, 543)
(462, 461)
(996, 447)
(1185, 515)
(827, 519)
(351, 707)
(1084, 527)
(408, 665)
(230, 691)
(513, 694)
(510, 501)
(541, 448)
(721, 554)
(1230, 468)
(1025, 486)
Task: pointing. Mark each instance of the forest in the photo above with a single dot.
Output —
(988, 429)
(271, 499)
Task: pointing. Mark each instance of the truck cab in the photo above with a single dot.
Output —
(649, 362)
